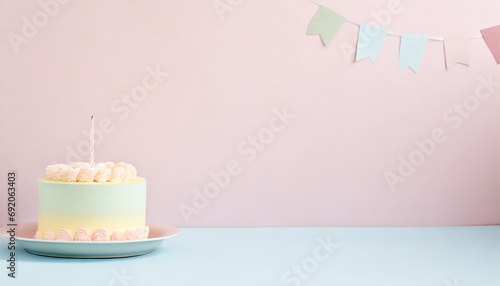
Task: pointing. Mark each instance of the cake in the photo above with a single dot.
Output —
(80, 202)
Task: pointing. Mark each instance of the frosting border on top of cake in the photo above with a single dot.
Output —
(84, 172)
(134, 181)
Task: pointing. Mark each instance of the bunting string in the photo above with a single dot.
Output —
(327, 22)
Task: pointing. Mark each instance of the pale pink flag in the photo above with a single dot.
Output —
(492, 38)
(456, 51)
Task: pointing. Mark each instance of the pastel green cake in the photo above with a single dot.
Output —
(86, 211)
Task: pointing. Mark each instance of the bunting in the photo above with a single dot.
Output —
(456, 51)
(370, 40)
(327, 22)
(412, 49)
(492, 38)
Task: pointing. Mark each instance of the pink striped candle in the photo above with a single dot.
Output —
(91, 135)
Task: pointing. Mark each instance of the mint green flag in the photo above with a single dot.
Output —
(325, 23)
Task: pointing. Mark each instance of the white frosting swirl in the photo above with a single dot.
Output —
(51, 172)
(132, 234)
(117, 174)
(70, 175)
(86, 174)
(130, 172)
(109, 165)
(83, 234)
(83, 172)
(144, 232)
(49, 235)
(100, 235)
(118, 235)
(102, 175)
(38, 235)
(56, 172)
(64, 235)
(137, 233)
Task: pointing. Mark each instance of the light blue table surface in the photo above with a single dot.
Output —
(343, 256)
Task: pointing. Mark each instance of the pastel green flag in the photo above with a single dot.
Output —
(325, 23)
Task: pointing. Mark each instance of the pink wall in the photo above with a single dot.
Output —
(227, 78)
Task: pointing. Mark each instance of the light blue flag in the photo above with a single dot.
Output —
(370, 40)
(412, 50)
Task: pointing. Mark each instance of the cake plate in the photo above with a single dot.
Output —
(89, 249)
